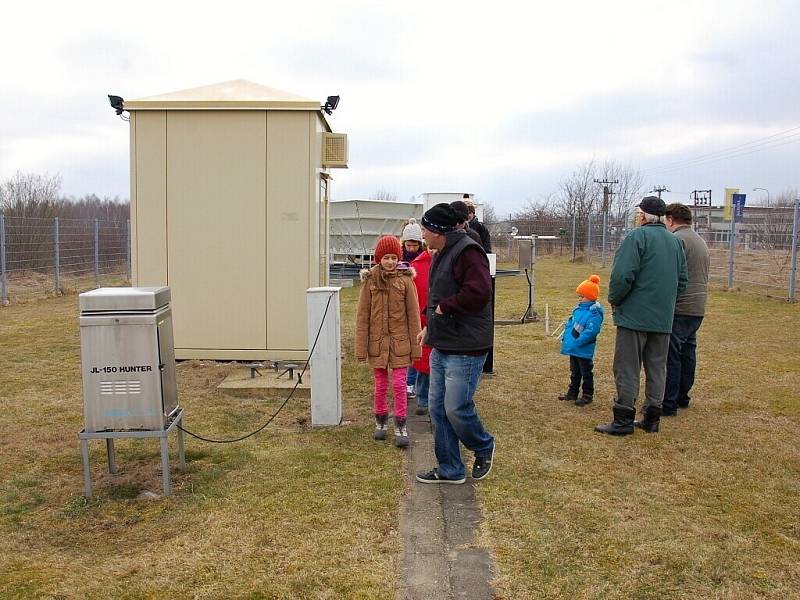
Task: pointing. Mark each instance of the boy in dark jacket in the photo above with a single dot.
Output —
(578, 341)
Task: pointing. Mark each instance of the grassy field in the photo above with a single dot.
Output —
(705, 509)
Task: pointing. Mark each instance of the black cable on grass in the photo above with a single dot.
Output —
(280, 408)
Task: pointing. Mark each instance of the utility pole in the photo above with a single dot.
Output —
(702, 198)
(660, 188)
(607, 193)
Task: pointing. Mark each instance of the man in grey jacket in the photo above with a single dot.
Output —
(690, 309)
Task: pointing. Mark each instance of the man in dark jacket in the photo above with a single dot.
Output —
(689, 311)
(463, 220)
(648, 273)
(460, 329)
(480, 228)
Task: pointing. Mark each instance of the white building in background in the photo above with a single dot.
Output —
(432, 198)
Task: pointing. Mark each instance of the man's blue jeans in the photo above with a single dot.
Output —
(421, 388)
(453, 380)
(411, 377)
(681, 361)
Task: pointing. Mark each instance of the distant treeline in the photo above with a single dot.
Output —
(33, 196)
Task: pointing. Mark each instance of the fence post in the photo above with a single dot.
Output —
(56, 257)
(128, 249)
(3, 274)
(573, 237)
(97, 253)
(731, 246)
(793, 269)
(589, 238)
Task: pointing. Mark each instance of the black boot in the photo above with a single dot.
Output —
(570, 396)
(652, 417)
(622, 423)
(584, 400)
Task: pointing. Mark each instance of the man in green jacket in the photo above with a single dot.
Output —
(648, 273)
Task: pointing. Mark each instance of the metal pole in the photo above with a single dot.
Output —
(573, 237)
(56, 257)
(605, 226)
(793, 269)
(731, 245)
(589, 238)
(3, 274)
(128, 249)
(96, 253)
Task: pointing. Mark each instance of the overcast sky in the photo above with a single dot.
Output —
(500, 99)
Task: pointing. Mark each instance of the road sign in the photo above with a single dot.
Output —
(738, 206)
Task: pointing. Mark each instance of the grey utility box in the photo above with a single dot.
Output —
(127, 359)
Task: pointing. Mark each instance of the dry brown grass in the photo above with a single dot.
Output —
(291, 513)
(705, 509)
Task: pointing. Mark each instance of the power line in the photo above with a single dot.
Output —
(744, 152)
(764, 143)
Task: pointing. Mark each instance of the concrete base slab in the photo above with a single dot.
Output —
(343, 283)
(240, 383)
(439, 525)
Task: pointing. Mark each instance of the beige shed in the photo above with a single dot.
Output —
(229, 207)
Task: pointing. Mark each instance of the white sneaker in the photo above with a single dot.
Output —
(410, 393)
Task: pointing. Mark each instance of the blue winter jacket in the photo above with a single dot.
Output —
(582, 329)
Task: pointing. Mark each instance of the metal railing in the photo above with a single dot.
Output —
(46, 257)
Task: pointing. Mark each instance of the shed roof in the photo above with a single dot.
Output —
(238, 94)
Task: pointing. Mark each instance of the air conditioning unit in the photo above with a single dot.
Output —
(334, 150)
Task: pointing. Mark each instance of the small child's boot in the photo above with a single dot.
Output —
(400, 433)
(584, 400)
(570, 396)
(380, 428)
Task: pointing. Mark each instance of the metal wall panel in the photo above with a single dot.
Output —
(149, 199)
(215, 222)
(289, 225)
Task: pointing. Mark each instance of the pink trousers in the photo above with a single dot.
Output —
(381, 377)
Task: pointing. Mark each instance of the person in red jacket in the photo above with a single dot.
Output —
(421, 266)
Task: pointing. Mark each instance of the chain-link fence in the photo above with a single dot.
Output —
(587, 238)
(758, 255)
(45, 257)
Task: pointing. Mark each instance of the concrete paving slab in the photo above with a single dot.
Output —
(240, 383)
(439, 525)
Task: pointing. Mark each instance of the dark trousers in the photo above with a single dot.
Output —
(633, 350)
(581, 368)
(681, 361)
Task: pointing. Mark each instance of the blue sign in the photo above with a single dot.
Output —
(738, 207)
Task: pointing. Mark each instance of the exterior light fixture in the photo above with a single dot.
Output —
(330, 104)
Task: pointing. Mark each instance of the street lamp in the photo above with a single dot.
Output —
(763, 190)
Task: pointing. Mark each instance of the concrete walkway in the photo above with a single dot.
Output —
(439, 525)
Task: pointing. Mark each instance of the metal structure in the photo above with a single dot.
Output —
(128, 370)
(325, 337)
(250, 164)
(527, 264)
(356, 225)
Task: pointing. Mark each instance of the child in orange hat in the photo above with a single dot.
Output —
(387, 325)
(578, 341)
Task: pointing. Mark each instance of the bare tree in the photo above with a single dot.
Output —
(774, 232)
(383, 195)
(30, 195)
(627, 192)
(27, 199)
(489, 217)
(578, 193)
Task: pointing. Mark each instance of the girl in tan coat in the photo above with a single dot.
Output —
(387, 325)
